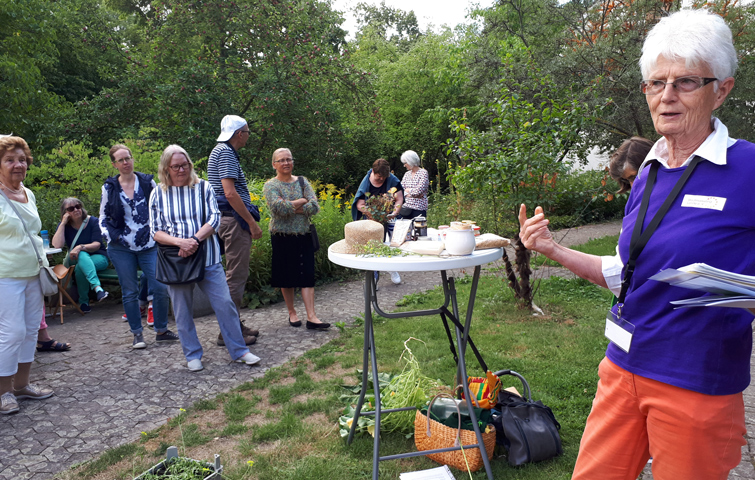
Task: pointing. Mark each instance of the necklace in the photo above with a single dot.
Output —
(15, 192)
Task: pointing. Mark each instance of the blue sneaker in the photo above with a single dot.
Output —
(101, 295)
(85, 308)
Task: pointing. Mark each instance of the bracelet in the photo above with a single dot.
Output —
(195, 239)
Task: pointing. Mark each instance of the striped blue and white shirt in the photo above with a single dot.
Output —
(223, 163)
(178, 211)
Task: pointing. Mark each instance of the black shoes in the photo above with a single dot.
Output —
(294, 324)
(166, 336)
(316, 326)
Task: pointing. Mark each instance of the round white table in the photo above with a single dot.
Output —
(415, 263)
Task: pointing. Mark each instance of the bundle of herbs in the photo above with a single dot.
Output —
(410, 388)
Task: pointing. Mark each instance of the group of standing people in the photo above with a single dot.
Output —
(137, 216)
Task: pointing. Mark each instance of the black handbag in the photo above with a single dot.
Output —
(172, 269)
(405, 212)
(527, 429)
(312, 228)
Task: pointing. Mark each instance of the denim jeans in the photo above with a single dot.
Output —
(87, 266)
(126, 263)
(216, 289)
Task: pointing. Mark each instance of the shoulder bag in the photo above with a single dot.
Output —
(312, 228)
(47, 278)
(67, 260)
(173, 269)
(527, 429)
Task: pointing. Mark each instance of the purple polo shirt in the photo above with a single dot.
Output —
(706, 350)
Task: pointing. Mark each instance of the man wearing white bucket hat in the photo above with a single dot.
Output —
(237, 224)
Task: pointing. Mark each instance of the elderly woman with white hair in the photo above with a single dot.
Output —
(183, 213)
(416, 183)
(671, 383)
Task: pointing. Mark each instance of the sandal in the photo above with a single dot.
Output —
(53, 346)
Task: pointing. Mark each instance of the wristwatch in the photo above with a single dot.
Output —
(195, 239)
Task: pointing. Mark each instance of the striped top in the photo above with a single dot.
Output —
(416, 186)
(224, 163)
(178, 212)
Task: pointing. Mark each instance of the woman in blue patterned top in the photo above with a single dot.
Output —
(183, 212)
(124, 221)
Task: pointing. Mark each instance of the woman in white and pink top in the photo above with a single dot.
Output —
(416, 183)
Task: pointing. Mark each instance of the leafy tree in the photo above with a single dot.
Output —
(521, 153)
(283, 65)
(598, 44)
(519, 158)
(27, 45)
(390, 25)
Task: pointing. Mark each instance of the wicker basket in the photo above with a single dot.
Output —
(437, 435)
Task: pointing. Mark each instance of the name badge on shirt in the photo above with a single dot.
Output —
(619, 331)
(702, 201)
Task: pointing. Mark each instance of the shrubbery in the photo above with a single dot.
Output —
(577, 199)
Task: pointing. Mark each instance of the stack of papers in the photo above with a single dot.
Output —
(440, 473)
(731, 289)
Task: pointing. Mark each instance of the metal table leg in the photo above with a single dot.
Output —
(369, 360)
(461, 342)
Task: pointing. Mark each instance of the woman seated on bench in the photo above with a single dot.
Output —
(80, 232)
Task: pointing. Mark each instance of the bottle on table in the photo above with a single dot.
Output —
(45, 239)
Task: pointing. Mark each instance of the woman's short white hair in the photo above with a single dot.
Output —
(410, 158)
(695, 36)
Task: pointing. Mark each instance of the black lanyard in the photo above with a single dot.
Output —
(640, 238)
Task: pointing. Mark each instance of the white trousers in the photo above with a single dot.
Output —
(21, 308)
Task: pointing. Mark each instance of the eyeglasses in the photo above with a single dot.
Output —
(72, 208)
(125, 159)
(681, 84)
(285, 160)
(183, 166)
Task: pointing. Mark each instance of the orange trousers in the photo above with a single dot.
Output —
(689, 435)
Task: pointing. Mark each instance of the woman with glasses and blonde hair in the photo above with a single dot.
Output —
(292, 202)
(124, 222)
(80, 233)
(183, 213)
(672, 378)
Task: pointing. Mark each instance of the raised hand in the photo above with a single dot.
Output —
(533, 232)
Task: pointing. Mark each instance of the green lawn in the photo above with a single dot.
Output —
(596, 246)
(287, 422)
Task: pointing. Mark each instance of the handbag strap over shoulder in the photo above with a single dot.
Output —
(39, 258)
(81, 229)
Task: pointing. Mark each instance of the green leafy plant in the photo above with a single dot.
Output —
(379, 206)
(180, 469)
(410, 388)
